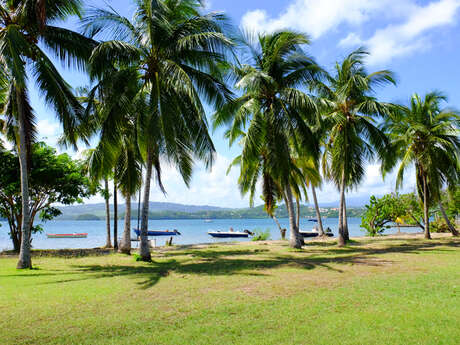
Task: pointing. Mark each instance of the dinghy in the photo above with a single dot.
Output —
(154, 233)
(230, 234)
(74, 235)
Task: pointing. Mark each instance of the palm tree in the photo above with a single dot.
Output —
(426, 136)
(25, 27)
(176, 51)
(272, 109)
(129, 177)
(98, 169)
(350, 110)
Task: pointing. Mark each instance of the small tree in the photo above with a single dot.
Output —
(381, 211)
(54, 179)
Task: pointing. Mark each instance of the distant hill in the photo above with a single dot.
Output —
(159, 210)
(98, 210)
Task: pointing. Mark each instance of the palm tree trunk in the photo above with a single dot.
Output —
(341, 240)
(144, 249)
(345, 219)
(295, 240)
(425, 209)
(108, 242)
(446, 219)
(318, 214)
(25, 260)
(115, 216)
(125, 245)
(297, 202)
(279, 225)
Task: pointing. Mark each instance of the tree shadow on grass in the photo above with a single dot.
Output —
(250, 262)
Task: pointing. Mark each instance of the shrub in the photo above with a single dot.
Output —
(261, 235)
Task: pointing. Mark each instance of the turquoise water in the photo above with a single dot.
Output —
(193, 231)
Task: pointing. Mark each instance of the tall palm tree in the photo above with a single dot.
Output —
(426, 136)
(272, 108)
(98, 169)
(129, 177)
(350, 111)
(26, 26)
(176, 51)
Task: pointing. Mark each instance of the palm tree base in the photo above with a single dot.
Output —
(126, 251)
(24, 264)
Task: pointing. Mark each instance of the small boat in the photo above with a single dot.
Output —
(158, 232)
(314, 233)
(230, 234)
(74, 235)
(313, 220)
(208, 220)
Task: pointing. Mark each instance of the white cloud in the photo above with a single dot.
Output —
(318, 17)
(352, 39)
(406, 30)
(410, 36)
(213, 187)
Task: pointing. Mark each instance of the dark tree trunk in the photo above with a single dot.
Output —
(144, 249)
(342, 238)
(295, 239)
(345, 218)
(16, 238)
(115, 216)
(25, 260)
(297, 203)
(425, 209)
(125, 245)
(446, 219)
(318, 213)
(108, 242)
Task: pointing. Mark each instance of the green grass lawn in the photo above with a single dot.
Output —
(382, 291)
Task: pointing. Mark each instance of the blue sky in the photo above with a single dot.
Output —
(418, 40)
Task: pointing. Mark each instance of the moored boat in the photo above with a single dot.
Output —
(74, 235)
(154, 233)
(230, 234)
(314, 233)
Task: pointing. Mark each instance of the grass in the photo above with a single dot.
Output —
(379, 291)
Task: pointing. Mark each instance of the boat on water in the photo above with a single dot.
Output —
(74, 235)
(313, 220)
(154, 233)
(208, 220)
(314, 233)
(230, 234)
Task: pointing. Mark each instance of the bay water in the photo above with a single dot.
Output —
(193, 231)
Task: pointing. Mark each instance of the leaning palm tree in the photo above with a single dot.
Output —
(272, 108)
(426, 136)
(26, 26)
(350, 109)
(176, 51)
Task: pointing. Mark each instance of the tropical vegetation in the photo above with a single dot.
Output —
(153, 78)
(53, 179)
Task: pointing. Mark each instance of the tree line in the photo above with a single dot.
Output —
(151, 76)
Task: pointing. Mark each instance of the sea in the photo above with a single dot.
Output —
(193, 231)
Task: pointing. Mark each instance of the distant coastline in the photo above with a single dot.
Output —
(97, 212)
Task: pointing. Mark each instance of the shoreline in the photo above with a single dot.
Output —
(99, 251)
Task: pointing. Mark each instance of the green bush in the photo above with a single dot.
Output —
(439, 226)
(261, 235)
